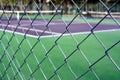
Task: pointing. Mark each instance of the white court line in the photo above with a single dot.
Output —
(40, 23)
(9, 31)
(87, 32)
(12, 26)
(52, 23)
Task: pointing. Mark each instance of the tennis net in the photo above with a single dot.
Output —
(16, 15)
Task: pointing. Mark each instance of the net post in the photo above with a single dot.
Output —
(18, 15)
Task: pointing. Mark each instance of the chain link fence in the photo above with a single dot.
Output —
(47, 45)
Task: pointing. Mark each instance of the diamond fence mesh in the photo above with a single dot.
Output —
(59, 40)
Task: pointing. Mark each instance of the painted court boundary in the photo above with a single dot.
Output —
(87, 32)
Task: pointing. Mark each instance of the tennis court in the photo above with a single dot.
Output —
(51, 46)
(55, 26)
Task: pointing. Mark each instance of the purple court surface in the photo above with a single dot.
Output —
(43, 27)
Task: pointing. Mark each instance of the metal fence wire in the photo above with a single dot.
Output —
(44, 40)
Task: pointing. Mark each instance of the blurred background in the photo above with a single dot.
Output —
(67, 6)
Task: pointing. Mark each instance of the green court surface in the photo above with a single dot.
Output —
(57, 51)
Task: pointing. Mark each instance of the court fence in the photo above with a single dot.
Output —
(30, 49)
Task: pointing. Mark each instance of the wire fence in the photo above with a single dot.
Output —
(33, 48)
